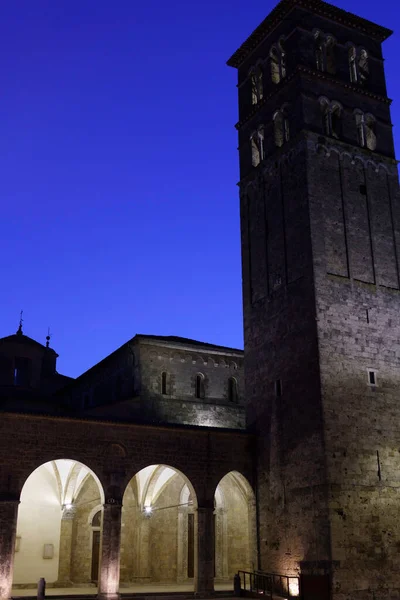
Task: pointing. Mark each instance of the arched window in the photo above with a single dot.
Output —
(319, 51)
(366, 130)
(363, 66)
(370, 132)
(199, 386)
(257, 146)
(330, 58)
(360, 122)
(164, 383)
(358, 65)
(353, 64)
(277, 58)
(325, 52)
(331, 117)
(281, 128)
(96, 521)
(257, 91)
(232, 390)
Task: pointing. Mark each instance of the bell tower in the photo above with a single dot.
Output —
(320, 227)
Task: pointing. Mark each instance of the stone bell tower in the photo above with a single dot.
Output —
(320, 223)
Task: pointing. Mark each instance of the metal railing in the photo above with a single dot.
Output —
(269, 585)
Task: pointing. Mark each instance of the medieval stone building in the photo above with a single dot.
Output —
(178, 462)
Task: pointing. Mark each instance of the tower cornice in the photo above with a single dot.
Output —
(318, 7)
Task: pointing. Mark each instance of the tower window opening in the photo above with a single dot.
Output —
(325, 52)
(371, 377)
(360, 122)
(257, 147)
(319, 51)
(232, 390)
(278, 388)
(257, 91)
(199, 386)
(363, 66)
(366, 130)
(370, 134)
(331, 117)
(164, 383)
(353, 64)
(277, 58)
(281, 128)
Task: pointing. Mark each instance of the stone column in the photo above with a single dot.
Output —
(8, 531)
(204, 575)
(110, 551)
(64, 565)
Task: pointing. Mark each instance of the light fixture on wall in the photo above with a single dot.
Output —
(147, 511)
(294, 588)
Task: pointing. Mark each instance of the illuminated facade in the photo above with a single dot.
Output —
(178, 462)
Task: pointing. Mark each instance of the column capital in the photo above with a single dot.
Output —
(68, 513)
(112, 502)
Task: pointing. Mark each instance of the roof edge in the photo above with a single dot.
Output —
(321, 8)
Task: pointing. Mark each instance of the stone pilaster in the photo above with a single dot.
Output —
(144, 546)
(8, 530)
(110, 550)
(204, 575)
(64, 566)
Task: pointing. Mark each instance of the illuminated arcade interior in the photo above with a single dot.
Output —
(60, 525)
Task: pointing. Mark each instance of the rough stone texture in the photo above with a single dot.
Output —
(88, 499)
(320, 226)
(8, 528)
(115, 453)
(127, 384)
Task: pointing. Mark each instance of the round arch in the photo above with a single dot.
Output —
(235, 526)
(56, 499)
(157, 513)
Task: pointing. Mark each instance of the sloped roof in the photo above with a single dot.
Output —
(173, 339)
(318, 7)
(25, 340)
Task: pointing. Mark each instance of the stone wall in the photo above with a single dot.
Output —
(358, 302)
(85, 503)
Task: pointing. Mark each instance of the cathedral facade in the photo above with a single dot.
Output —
(179, 462)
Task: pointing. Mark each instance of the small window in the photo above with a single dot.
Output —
(257, 147)
(164, 383)
(360, 122)
(372, 377)
(199, 386)
(22, 371)
(277, 59)
(353, 65)
(330, 57)
(257, 91)
(370, 135)
(281, 128)
(232, 390)
(319, 51)
(363, 66)
(366, 130)
(278, 388)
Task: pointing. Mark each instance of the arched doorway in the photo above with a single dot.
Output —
(158, 529)
(235, 527)
(60, 510)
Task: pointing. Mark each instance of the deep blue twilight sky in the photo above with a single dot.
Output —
(119, 205)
